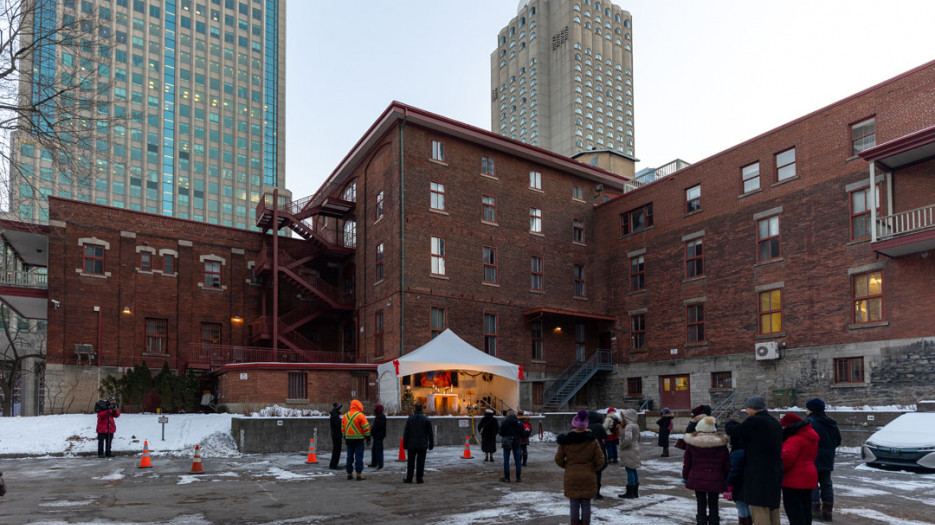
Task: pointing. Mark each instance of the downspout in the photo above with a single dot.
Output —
(275, 317)
(402, 238)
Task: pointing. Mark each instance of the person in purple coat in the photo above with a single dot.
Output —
(705, 466)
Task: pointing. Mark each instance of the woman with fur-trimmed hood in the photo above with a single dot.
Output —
(705, 466)
(630, 453)
(581, 455)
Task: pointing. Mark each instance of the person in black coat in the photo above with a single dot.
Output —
(761, 434)
(665, 428)
(596, 426)
(335, 435)
(735, 476)
(829, 438)
(489, 428)
(511, 430)
(418, 438)
(378, 433)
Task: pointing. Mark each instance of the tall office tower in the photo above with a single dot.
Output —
(173, 107)
(562, 77)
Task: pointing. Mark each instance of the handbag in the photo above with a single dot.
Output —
(680, 444)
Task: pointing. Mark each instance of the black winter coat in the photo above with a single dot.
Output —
(378, 428)
(829, 438)
(335, 423)
(511, 427)
(418, 433)
(762, 468)
(735, 476)
(489, 429)
(664, 424)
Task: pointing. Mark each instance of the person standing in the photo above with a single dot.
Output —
(829, 439)
(735, 476)
(612, 428)
(705, 467)
(106, 426)
(356, 429)
(581, 457)
(762, 480)
(527, 431)
(799, 476)
(630, 453)
(378, 433)
(335, 436)
(417, 439)
(489, 429)
(665, 428)
(511, 432)
(596, 427)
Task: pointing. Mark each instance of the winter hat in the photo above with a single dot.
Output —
(488, 411)
(666, 411)
(756, 403)
(698, 410)
(580, 421)
(611, 410)
(378, 409)
(336, 405)
(815, 405)
(707, 424)
(789, 419)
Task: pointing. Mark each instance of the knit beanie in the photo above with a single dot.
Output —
(698, 410)
(789, 419)
(756, 403)
(707, 424)
(580, 421)
(815, 405)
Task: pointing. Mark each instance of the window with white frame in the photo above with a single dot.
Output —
(535, 220)
(379, 208)
(535, 180)
(438, 256)
(863, 136)
(438, 196)
(438, 151)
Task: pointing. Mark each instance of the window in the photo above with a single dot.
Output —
(577, 192)
(157, 336)
(535, 220)
(580, 342)
(636, 220)
(210, 333)
(438, 196)
(535, 180)
(489, 206)
(767, 239)
(634, 386)
(297, 384)
(168, 264)
(722, 380)
(535, 274)
(146, 261)
(439, 321)
(638, 332)
(535, 333)
(770, 309)
(93, 259)
(378, 333)
(751, 177)
(379, 210)
(379, 263)
(637, 273)
(849, 370)
(695, 325)
(486, 166)
(212, 274)
(694, 259)
(577, 226)
(350, 192)
(490, 333)
(860, 212)
(579, 280)
(868, 297)
(863, 136)
(693, 198)
(438, 256)
(438, 151)
(785, 164)
(490, 265)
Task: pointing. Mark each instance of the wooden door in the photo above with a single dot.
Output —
(675, 392)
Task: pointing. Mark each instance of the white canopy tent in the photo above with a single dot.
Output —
(447, 351)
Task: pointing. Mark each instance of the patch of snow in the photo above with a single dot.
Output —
(879, 516)
(67, 503)
(112, 477)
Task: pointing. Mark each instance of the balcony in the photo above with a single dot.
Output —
(210, 356)
(906, 232)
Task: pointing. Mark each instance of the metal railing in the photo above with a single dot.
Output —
(24, 279)
(906, 222)
(578, 373)
(218, 355)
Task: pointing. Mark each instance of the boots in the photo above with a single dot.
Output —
(360, 477)
(632, 492)
(665, 452)
(636, 491)
(826, 508)
(816, 511)
(701, 519)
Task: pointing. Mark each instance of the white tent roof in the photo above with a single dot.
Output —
(447, 351)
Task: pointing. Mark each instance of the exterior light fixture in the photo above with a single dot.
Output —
(126, 310)
(236, 319)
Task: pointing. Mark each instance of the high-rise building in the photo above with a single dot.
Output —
(562, 77)
(179, 106)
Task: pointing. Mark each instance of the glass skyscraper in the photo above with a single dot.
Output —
(177, 105)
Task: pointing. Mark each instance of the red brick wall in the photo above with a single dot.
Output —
(267, 387)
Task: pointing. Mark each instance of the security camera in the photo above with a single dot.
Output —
(55, 303)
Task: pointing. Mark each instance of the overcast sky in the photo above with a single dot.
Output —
(707, 74)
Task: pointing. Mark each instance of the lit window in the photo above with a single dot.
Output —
(486, 166)
(438, 196)
(438, 151)
(637, 273)
(578, 231)
(157, 336)
(93, 259)
(535, 273)
(751, 177)
(767, 237)
(770, 310)
(490, 333)
(863, 136)
(535, 220)
(695, 323)
(785, 164)
(693, 198)
(489, 205)
(868, 297)
(490, 265)
(146, 261)
(212, 274)
(694, 259)
(580, 290)
(849, 370)
(535, 180)
(438, 256)
(638, 332)
(379, 263)
(439, 321)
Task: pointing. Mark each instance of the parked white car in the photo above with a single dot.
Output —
(907, 441)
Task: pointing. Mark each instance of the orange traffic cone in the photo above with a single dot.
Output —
(467, 448)
(402, 451)
(196, 463)
(312, 458)
(145, 461)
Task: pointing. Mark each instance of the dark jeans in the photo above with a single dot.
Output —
(376, 453)
(798, 505)
(707, 504)
(415, 461)
(355, 456)
(335, 452)
(610, 450)
(104, 440)
(580, 509)
(825, 490)
(515, 451)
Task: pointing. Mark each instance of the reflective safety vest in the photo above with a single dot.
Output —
(355, 426)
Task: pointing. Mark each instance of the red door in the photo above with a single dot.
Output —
(674, 392)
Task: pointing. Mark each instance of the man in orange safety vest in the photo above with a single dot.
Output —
(355, 428)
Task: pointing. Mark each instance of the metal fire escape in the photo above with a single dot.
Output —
(566, 385)
(320, 222)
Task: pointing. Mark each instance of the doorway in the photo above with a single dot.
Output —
(675, 392)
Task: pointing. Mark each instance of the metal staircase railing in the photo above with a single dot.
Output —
(725, 407)
(569, 382)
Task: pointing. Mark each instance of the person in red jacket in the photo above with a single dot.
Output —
(106, 427)
(799, 475)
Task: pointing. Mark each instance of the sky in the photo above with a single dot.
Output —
(708, 74)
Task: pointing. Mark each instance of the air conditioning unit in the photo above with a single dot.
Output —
(766, 351)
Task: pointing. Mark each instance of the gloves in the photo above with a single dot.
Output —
(368, 440)
(729, 495)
